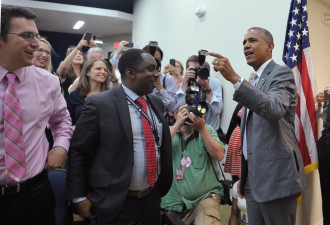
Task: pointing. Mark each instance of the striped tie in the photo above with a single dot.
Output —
(14, 144)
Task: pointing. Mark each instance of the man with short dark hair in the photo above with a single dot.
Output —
(120, 161)
(30, 98)
(272, 168)
(211, 87)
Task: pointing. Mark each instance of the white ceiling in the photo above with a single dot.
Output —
(61, 18)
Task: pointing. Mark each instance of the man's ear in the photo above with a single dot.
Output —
(271, 46)
(130, 73)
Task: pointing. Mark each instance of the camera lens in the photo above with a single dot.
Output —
(203, 73)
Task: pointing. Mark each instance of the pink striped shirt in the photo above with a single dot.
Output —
(42, 103)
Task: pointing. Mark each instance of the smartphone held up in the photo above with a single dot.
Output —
(88, 36)
(172, 62)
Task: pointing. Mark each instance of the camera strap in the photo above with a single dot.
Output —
(215, 174)
(151, 121)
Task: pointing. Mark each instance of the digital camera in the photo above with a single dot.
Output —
(201, 71)
(195, 95)
(227, 185)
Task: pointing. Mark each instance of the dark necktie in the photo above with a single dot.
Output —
(13, 129)
(149, 143)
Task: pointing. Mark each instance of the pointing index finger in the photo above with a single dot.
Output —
(217, 55)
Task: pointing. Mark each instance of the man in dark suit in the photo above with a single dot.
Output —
(109, 168)
(323, 146)
(272, 169)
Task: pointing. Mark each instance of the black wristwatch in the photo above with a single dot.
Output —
(207, 91)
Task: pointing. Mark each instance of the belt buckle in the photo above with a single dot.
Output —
(3, 189)
(144, 193)
(141, 194)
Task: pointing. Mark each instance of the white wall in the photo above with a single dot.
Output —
(180, 34)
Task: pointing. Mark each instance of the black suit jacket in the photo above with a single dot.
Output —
(234, 122)
(101, 153)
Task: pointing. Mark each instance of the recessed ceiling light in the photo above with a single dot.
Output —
(78, 25)
(98, 41)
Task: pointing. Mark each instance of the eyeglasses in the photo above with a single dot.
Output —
(41, 51)
(28, 36)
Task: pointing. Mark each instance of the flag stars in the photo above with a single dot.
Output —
(305, 8)
(298, 1)
(296, 47)
(286, 56)
(304, 32)
(293, 22)
(296, 11)
(300, 25)
(293, 57)
(298, 36)
(288, 45)
(290, 33)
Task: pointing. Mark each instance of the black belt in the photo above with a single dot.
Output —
(18, 187)
(139, 194)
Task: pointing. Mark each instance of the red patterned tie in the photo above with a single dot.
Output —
(150, 144)
(14, 144)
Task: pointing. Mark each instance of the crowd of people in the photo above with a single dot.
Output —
(108, 121)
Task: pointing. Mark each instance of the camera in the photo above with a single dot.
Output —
(196, 100)
(195, 95)
(201, 71)
(227, 185)
(152, 49)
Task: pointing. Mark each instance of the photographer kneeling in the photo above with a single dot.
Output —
(195, 193)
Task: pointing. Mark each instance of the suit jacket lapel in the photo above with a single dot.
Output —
(123, 113)
(265, 74)
(156, 109)
(243, 122)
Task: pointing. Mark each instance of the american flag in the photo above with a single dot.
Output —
(297, 56)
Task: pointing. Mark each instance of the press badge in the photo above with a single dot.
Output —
(186, 161)
(179, 173)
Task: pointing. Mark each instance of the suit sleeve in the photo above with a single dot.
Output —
(273, 103)
(83, 143)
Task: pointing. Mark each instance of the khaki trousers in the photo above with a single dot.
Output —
(206, 212)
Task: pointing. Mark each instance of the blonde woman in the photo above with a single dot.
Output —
(42, 56)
